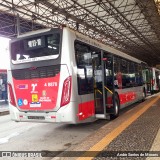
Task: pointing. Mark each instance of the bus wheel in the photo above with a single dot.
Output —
(116, 109)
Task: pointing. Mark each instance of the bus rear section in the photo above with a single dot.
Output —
(3, 84)
(156, 80)
(39, 85)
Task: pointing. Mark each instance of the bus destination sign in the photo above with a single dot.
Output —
(35, 43)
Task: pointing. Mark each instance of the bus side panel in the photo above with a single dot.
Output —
(84, 104)
(86, 110)
(129, 96)
(154, 79)
(13, 110)
(69, 111)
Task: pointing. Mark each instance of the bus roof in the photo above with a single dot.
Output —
(33, 32)
(105, 47)
(86, 38)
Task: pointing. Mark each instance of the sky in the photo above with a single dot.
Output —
(4, 53)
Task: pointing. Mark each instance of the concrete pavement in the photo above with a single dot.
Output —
(4, 108)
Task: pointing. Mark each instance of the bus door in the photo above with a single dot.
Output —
(101, 76)
(147, 78)
(149, 81)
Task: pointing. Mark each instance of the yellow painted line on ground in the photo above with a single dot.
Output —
(112, 135)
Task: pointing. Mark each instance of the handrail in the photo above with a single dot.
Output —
(99, 91)
(108, 89)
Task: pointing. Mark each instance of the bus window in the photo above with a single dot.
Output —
(131, 74)
(85, 71)
(124, 70)
(138, 75)
(117, 73)
(84, 58)
(109, 77)
(26, 50)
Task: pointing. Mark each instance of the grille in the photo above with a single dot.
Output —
(39, 72)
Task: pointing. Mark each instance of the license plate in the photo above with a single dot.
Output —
(36, 117)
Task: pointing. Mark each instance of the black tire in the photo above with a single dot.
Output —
(116, 109)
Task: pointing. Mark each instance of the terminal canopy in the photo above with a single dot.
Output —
(132, 26)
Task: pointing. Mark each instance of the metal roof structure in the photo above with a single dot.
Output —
(132, 26)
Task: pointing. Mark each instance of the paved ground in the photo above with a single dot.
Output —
(4, 108)
(28, 136)
(141, 135)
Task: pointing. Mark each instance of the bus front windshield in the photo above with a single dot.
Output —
(35, 49)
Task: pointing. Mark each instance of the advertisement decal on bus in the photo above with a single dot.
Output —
(39, 94)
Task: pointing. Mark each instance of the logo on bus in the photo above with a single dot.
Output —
(22, 86)
(44, 93)
(20, 102)
(34, 98)
(25, 102)
(34, 88)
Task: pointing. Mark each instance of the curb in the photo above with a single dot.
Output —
(4, 113)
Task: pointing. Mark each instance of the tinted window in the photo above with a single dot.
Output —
(30, 49)
(138, 75)
(84, 54)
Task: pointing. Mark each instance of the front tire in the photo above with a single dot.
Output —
(116, 109)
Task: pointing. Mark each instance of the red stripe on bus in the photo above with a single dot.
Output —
(127, 97)
(86, 109)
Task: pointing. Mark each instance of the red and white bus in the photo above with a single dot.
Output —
(3, 81)
(60, 75)
(3, 76)
(155, 80)
(147, 79)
